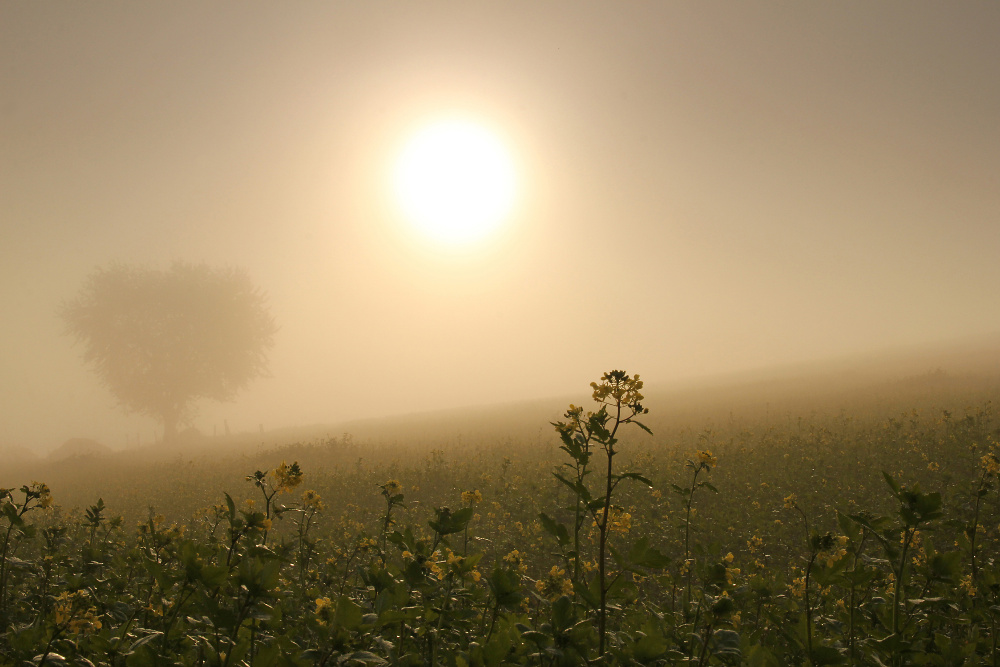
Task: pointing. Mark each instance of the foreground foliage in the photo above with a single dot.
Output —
(814, 544)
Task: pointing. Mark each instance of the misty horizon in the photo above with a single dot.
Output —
(689, 192)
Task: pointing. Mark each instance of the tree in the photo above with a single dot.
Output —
(161, 340)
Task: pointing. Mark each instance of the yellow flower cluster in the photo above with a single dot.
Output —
(707, 459)
(42, 493)
(835, 553)
(312, 501)
(287, 476)
(555, 585)
(966, 586)
(990, 463)
(798, 587)
(75, 618)
(790, 503)
(620, 388)
(324, 610)
(619, 521)
(919, 556)
(515, 561)
(434, 567)
(392, 487)
(472, 497)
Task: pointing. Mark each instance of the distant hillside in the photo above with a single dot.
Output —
(79, 447)
(948, 376)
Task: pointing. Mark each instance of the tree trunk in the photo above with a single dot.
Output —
(170, 417)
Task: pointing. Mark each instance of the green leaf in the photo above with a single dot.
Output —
(144, 656)
(727, 642)
(848, 527)
(506, 586)
(892, 483)
(267, 656)
(759, 656)
(562, 613)
(554, 528)
(367, 657)
(142, 641)
(643, 555)
(826, 655)
(649, 647)
(641, 425)
(636, 476)
(349, 614)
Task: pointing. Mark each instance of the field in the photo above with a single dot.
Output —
(769, 525)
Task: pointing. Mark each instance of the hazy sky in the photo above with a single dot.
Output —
(703, 187)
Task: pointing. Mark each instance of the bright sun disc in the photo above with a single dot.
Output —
(455, 182)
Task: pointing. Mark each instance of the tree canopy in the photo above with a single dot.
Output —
(161, 339)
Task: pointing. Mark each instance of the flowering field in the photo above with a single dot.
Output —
(825, 539)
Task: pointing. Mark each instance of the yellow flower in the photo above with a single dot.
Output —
(472, 497)
(311, 500)
(798, 587)
(323, 611)
(41, 491)
(705, 458)
(85, 623)
(729, 557)
(287, 476)
(790, 501)
(990, 463)
(619, 521)
(555, 585)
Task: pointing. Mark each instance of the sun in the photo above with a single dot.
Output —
(454, 181)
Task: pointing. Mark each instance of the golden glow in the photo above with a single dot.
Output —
(455, 182)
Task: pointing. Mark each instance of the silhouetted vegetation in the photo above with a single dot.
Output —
(160, 340)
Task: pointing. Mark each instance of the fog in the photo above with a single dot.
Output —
(704, 190)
